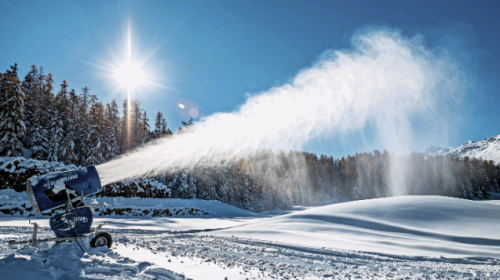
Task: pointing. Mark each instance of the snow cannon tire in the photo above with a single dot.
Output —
(101, 239)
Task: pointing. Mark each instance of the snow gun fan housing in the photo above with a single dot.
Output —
(55, 189)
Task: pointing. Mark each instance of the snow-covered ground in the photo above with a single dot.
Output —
(14, 203)
(488, 149)
(400, 237)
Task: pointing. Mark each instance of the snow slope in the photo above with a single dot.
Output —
(488, 149)
(407, 225)
(400, 237)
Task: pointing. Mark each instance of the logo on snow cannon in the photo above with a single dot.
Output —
(47, 191)
(59, 182)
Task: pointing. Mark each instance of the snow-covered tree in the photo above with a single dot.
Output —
(12, 128)
(94, 142)
(31, 91)
(164, 130)
(125, 134)
(56, 136)
(145, 127)
(38, 136)
(37, 120)
(158, 123)
(137, 124)
(112, 131)
(183, 184)
(82, 124)
(65, 113)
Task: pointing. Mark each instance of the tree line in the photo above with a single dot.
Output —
(59, 124)
(279, 180)
(76, 128)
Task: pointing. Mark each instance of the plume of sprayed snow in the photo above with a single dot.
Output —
(385, 80)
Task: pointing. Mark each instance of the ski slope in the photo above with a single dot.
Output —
(398, 237)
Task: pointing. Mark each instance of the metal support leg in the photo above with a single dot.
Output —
(100, 226)
(35, 230)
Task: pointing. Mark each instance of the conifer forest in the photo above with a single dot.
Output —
(56, 123)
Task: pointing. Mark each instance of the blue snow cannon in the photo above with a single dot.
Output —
(52, 190)
(63, 193)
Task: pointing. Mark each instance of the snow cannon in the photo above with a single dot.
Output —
(54, 190)
(63, 193)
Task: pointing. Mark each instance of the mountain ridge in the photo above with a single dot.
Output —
(487, 149)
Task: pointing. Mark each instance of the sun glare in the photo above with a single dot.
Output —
(130, 75)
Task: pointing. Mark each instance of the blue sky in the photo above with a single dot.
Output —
(216, 52)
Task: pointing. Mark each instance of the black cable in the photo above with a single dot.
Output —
(77, 224)
(57, 243)
(83, 243)
(71, 227)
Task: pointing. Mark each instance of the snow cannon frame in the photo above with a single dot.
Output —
(65, 191)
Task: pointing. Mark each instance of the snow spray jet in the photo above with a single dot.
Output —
(386, 80)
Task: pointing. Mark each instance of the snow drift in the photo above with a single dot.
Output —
(405, 225)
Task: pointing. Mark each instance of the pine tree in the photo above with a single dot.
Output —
(183, 184)
(38, 136)
(158, 124)
(30, 86)
(71, 139)
(145, 127)
(56, 136)
(268, 190)
(185, 125)
(164, 130)
(113, 126)
(125, 133)
(93, 142)
(12, 129)
(137, 124)
(66, 149)
(37, 131)
(82, 124)
(85, 98)
(104, 129)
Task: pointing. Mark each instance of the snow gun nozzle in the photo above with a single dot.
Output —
(53, 190)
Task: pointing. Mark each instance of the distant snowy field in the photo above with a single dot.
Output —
(400, 238)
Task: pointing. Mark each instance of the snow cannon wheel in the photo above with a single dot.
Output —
(101, 239)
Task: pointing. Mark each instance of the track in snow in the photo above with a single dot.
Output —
(138, 254)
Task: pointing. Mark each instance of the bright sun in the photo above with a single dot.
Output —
(130, 75)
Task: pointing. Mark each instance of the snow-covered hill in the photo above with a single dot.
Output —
(412, 237)
(405, 225)
(488, 149)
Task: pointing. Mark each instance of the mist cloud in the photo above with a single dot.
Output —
(386, 80)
